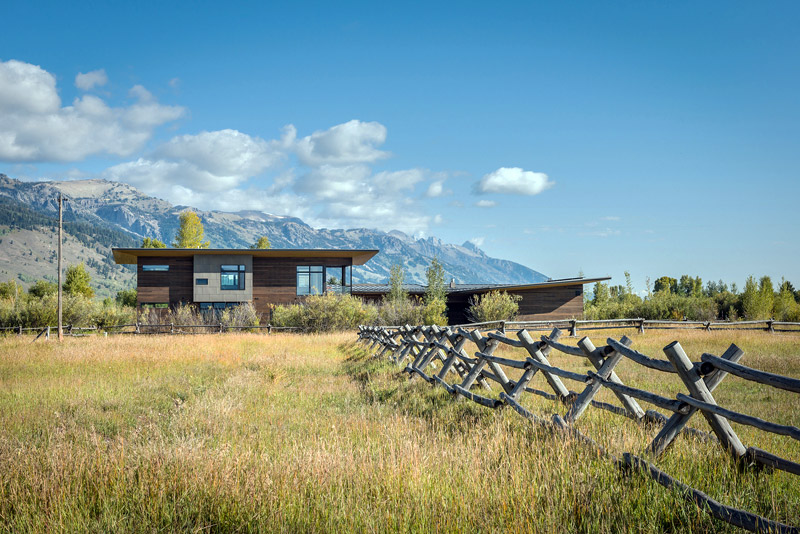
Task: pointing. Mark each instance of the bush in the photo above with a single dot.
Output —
(493, 306)
(325, 313)
(400, 312)
(433, 312)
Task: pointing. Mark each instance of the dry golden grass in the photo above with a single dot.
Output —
(307, 433)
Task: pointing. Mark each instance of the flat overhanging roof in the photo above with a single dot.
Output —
(131, 255)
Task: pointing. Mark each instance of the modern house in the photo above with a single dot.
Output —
(219, 278)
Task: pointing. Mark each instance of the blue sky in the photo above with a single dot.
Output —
(660, 138)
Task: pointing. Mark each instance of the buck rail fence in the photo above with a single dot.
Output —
(418, 347)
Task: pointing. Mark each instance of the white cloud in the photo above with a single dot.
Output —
(514, 181)
(343, 144)
(477, 241)
(94, 78)
(36, 128)
(207, 162)
(436, 189)
(486, 204)
(223, 152)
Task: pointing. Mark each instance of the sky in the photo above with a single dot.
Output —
(658, 138)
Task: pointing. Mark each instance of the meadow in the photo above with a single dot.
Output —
(287, 433)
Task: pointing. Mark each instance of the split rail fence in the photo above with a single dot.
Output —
(419, 348)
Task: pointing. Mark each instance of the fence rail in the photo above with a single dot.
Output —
(418, 349)
(143, 329)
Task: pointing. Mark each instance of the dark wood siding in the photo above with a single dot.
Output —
(173, 286)
(275, 280)
(537, 304)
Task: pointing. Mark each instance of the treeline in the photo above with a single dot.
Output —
(687, 298)
(38, 306)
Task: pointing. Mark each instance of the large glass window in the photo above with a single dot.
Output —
(337, 279)
(231, 277)
(155, 267)
(310, 279)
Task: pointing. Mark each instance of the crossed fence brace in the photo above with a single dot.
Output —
(424, 346)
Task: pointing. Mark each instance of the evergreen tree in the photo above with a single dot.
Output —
(190, 233)
(78, 282)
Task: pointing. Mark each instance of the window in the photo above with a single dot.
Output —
(159, 305)
(310, 279)
(201, 281)
(155, 267)
(232, 277)
(337, 279)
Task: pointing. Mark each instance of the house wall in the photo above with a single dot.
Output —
(208, 266)
(537, 304)
(275, 279)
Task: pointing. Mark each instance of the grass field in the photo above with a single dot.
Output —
(248, 433)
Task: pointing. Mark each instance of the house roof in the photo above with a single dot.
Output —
(476, 288)
(131, 255)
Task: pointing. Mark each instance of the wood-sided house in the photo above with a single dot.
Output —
(219, 278)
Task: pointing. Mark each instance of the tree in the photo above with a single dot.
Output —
(397, 293)
(665, 283)
(262, 243)
(78, 282)
(10, 290)
(148, 242)
(600, 294)
(126, 297)
(190, 233)
(42, 288)
(436, 286)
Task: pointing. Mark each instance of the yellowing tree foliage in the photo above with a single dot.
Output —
(152, 243)
(190, 234)
(262, 243)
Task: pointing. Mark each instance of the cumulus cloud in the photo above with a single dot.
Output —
(94, 78)
(334, 185)
(514, 181)
(36, 128)
(343, 144)
(486, 204)
(206, 162)
(477, 241)
(436, 189)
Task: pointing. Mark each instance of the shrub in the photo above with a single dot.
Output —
(493, 306)
(324, 313)
(400, 312)
(433, 312)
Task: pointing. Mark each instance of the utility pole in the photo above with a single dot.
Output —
(60, 329)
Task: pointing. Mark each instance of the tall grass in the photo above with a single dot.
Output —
(308, 433)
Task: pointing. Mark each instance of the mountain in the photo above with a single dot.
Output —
(101, 214)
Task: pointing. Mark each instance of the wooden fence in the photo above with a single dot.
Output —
(573, 326)
(142, 329)
(418, 348)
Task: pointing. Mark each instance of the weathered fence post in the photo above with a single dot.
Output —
(171, 328)
(19, 333)
(137, 328)
(269, 328)
(47, 336)
(220, 327)
(697, 389)
(573, 328)
(678, 421)
(641, 326)
(536, 354)
(770, 329)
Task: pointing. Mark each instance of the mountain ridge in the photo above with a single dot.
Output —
(117, 206)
